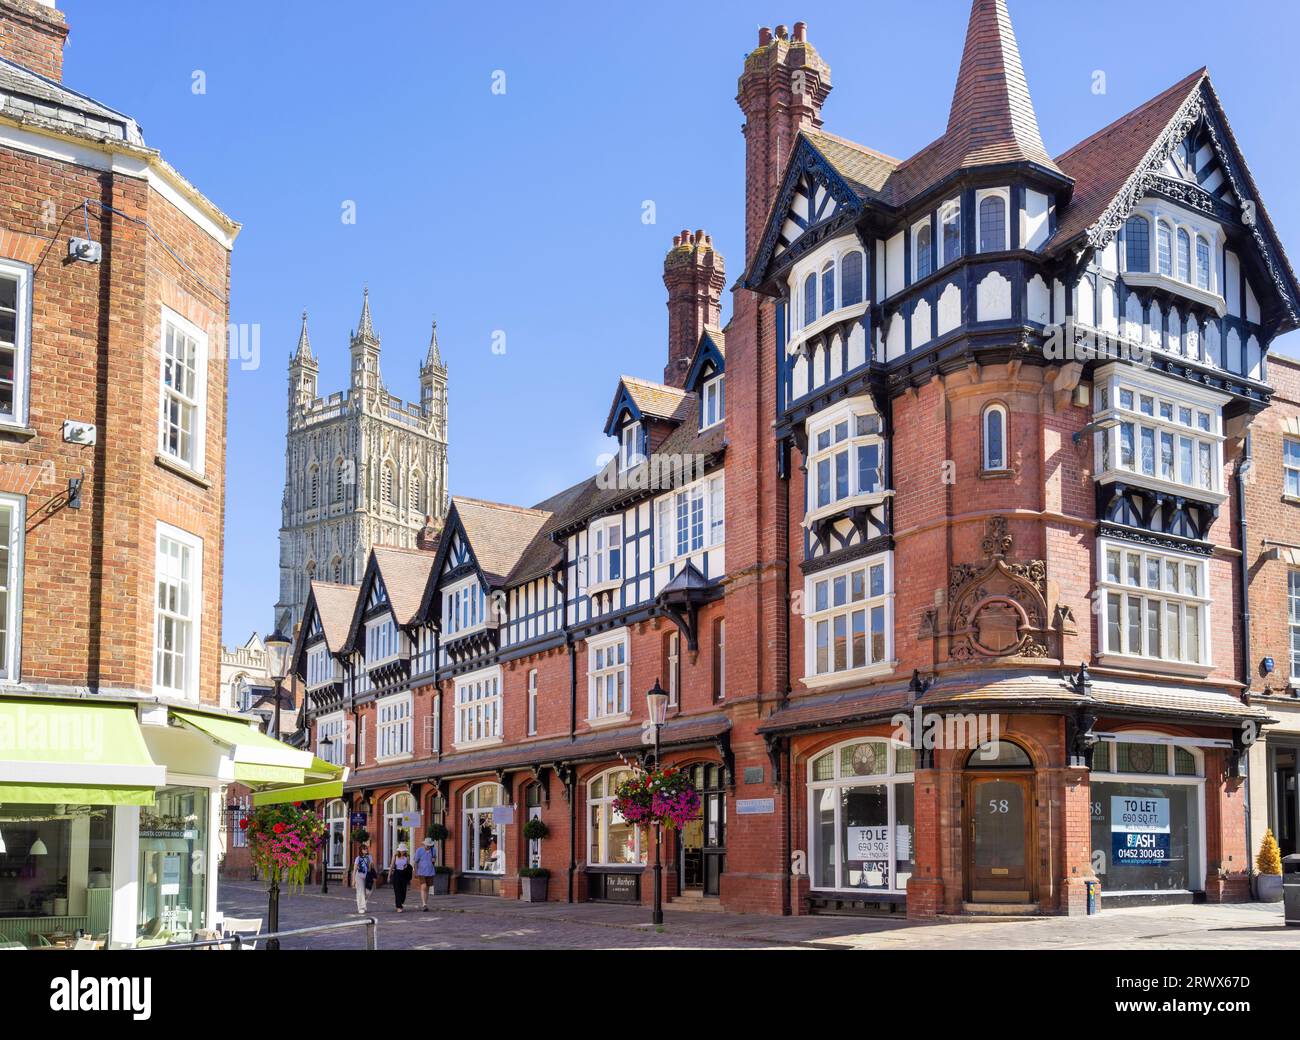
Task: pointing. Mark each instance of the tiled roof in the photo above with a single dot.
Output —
(499, 534)
(542, 552)
(867, 172)
(31, 98)
(405, 573)
(335, 605)
(1102, 164)
(657, 400)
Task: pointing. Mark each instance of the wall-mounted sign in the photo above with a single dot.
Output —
(868, 843)
(409, 820)
(358, 819)
(755, 806)
(753, 774)
(621, 888)
(503, 815)
(171, 874)
(1139, 831)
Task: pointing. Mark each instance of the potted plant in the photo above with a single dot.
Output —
(359, 835)
(535, 830)
(533, 882)
(441, 880)
(437, 832)
(283, 840)
(1268, 880)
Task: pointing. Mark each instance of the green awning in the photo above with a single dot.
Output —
(276, 772)
(74, 751)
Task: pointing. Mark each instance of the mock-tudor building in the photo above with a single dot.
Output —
(965, 623)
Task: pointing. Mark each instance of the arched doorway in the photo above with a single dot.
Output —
(999, 817)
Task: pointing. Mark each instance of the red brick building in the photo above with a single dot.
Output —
(930, 585)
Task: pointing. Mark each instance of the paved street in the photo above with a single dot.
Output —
(477, 922)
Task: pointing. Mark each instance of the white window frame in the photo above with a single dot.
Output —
(16, 507)
(1161, 215)
(190, 689)
(806, 327)
(602, 677)
(384, 641)
(479, 708)
(470, 821)
(604, 548)
(815, 616)
(713, 401)
(1290, 474)
(677, 513)
(890, 780)
(1151, 600)
(949, 213)
(851, 412)
(1293, 628)
(336, 818)
(1113, 411)
(393, 824)
(532, 702)
(464, 607)
(394, 726)
(331, 726)
(629, 445)
(320, 665)
(605, 806)
(991, 464)
(22, 274)
(1005, 195)
(199, 402)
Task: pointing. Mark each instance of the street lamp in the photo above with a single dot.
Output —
(277, 663)
(325, 745)
(656, 700)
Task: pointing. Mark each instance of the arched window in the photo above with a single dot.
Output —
(1164, 248)
(417, 500)
(336, 834)
(481, 837)
(860, 816)
(951, 220)
(396, 829)
(850, 279)
(1202, 263)
(999, 754)
(1184, 255)
(921, 247)
(610, 838)
(995, 437)
(828, 288)
(313, 487)
(810, 299)
(1137, 244)
(336, 570)
(993, 224)
(386, 484)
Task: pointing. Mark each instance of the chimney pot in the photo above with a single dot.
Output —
(782, 32)
(699, 236)
(801, 31)
(764, 36)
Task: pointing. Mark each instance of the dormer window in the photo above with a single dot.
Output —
(713, 402)
(382, 642)
(320, 666)
(464, 608)
(631, 450)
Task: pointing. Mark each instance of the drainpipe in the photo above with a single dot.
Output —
(572, 786)
(1243, 468)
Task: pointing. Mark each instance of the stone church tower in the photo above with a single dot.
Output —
(362, 467)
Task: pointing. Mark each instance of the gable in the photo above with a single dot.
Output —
(708, 362)
(814, 202)
(623, 410)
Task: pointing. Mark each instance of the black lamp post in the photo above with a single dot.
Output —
(656, 700)
(277, 662)
(325, 746)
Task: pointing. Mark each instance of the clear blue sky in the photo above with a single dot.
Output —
(522, 212)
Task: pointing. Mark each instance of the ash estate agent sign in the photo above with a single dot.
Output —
(1139, 831)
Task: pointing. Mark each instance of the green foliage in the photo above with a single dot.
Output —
(535, 830)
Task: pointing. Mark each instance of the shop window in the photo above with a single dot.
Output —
(173, 866)
(397, 825)
(611, 840)
(1147, 812)
(482, 842)
(861, 814)
(56, 873)
(336, 835)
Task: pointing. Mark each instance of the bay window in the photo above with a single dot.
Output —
(860, 817)
(1156, 604)
(393, 737)
(478, 707)
(845, 453)
(320, 666)
(950, 219)
(608, 677)
(178, 567)
(848, 621)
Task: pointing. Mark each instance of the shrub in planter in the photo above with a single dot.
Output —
(535, 830)
(532, 884)
(1268, 880)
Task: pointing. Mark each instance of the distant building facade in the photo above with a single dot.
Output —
(362, 467)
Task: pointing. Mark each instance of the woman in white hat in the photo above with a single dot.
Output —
(426, 861)
(399, 873)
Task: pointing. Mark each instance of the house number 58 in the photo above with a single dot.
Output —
(999, 805)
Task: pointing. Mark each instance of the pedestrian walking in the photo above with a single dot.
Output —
(363, 876)
(399, 873)
(426, 862)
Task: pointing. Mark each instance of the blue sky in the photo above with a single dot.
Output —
(522, 211)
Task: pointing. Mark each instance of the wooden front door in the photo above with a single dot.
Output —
(999, 846)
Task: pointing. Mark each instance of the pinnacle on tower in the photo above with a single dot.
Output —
(365, 327)
(433, 359)
(303, 354)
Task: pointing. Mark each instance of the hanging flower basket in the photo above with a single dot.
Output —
(664, 796)
(283, 840)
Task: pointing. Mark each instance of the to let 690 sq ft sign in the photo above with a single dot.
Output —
(1139, 831)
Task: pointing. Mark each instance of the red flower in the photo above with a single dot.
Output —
(297, 805)
(243, 824)
(278, 828)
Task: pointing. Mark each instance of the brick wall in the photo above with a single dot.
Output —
(33, 34)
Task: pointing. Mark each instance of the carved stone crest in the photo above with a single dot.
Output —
(997, 608)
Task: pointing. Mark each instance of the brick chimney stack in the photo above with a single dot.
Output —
(32, 34)
(695, 276)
